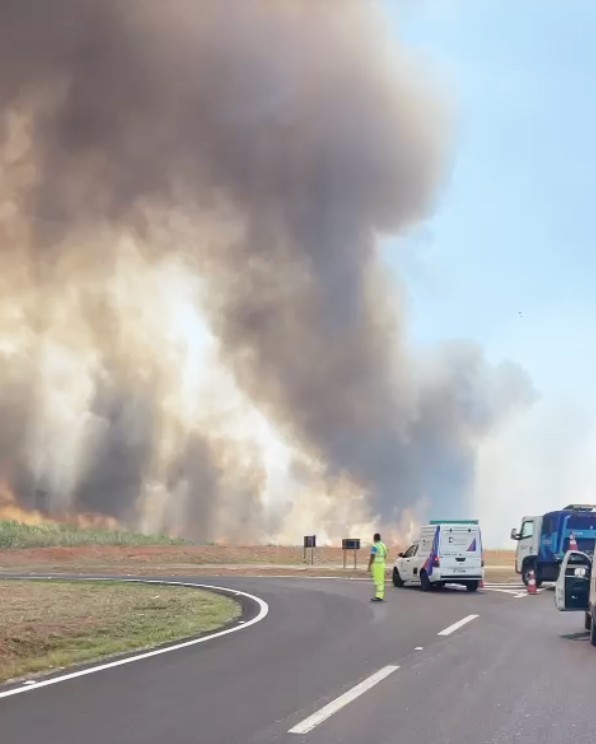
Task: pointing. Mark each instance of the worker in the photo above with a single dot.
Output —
(376, 564)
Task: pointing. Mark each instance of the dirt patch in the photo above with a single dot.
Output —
(208, 561)
(48, 625)
(160, 555)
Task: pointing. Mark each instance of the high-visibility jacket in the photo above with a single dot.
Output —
(380, 552)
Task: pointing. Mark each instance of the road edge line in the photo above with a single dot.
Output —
(261, 615)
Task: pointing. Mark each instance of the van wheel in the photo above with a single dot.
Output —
(588, 621)
(472, 586)
(592, 631)
(397, 579)
(425, 584)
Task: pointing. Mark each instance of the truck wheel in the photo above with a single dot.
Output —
(425, 584)
(588, 621)
(592, 631)
(472, 586)
(397, 579)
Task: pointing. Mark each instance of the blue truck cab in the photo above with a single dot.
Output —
(543, 541)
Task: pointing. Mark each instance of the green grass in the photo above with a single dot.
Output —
(49, 625)
(18, 535)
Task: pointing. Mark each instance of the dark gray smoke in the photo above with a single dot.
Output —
(314, 129)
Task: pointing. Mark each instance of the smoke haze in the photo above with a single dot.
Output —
(196, 332)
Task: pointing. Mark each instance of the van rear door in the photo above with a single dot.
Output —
(572, 590)
(460, 551)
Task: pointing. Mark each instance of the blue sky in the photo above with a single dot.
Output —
(514, 232)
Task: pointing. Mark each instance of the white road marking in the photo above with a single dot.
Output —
(262, 614)
(419, 648)
(513, 592)
(348, 697)
(525, 593)
(509, 584)
(456, 626)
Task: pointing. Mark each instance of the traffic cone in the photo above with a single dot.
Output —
(532, 589)
(572, 542)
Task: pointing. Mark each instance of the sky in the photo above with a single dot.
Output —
(508, 258)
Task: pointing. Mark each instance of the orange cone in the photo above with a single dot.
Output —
(572, 542)
(532, 588)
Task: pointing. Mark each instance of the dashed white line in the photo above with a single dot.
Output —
(262, 614)
(456, 626)
(308, 724)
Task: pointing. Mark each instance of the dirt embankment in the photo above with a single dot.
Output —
(203, 560)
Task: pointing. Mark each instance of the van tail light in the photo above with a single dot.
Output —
(437, 562)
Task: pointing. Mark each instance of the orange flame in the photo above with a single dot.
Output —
(10, 510)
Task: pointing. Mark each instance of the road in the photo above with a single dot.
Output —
(518, 670)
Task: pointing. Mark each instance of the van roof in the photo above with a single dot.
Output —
(454, 521)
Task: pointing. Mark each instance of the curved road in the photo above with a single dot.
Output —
(518, 670)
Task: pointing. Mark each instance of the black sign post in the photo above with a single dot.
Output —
(353, 544)
(310, 541)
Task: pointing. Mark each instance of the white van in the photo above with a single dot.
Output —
(445, 553)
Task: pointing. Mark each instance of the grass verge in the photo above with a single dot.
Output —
(17, 535)
(53, 624)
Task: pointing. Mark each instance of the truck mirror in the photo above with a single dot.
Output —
(514, 534)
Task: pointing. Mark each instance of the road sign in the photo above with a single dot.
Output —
(351, 543)
(310, 541)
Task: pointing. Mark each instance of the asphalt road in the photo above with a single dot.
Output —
(517, 671)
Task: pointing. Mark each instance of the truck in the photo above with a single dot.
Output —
(446, 552)
(575, 590)
(543, 541)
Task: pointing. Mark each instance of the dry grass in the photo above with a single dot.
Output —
(47, 625)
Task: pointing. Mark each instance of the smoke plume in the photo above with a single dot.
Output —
(196, 333)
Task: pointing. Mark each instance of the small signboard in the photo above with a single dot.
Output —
(351, 543)
(310, 541)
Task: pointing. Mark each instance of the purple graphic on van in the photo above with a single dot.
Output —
(429, 563)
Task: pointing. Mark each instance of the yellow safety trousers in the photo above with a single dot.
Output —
(378, 570)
